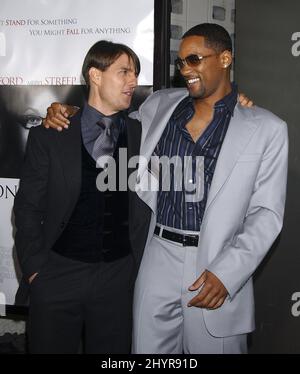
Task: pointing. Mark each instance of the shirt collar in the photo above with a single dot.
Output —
(185, 106)
(229, 101)
(90, 116)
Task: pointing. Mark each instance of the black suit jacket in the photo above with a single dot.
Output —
(49, 190)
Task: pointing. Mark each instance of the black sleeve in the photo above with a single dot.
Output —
(30, 203)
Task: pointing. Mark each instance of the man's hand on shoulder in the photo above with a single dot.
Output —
(57, 116)
(244, 100)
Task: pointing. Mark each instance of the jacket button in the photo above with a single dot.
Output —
(62, 225)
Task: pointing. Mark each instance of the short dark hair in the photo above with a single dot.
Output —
(103, 54)
(215, 36)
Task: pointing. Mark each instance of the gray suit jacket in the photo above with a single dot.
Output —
(245, 206)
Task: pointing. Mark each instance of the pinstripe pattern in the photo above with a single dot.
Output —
(173, 208)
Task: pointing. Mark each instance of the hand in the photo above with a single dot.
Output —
(31, 278)
(57, 116)
(244, 100)
(212, 294)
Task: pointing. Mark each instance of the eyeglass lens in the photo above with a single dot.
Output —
(191, 60)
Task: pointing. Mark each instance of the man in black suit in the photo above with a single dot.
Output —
(78, 256)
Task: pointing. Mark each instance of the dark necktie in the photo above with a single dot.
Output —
(105, 143)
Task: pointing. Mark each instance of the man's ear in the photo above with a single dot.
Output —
(226, 59)
(95, 76)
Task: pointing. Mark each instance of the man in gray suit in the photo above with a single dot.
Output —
(194, 291)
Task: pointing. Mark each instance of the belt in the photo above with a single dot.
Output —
(185, 240)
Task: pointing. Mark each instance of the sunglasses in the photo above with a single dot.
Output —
(190, 60)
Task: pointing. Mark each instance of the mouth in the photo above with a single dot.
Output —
(128, 93)
(191, 81)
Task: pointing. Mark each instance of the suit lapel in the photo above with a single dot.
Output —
(155, 117)
(153, 126)
(69, 152)
(239, 133)
(134, 130)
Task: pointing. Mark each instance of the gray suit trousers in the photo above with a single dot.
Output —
(162, 321)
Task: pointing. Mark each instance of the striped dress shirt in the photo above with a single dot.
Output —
(184, 209)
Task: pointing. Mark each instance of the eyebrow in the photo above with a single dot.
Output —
(127, 68)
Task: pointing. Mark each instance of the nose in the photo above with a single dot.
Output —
(132, 81)
(185, 70)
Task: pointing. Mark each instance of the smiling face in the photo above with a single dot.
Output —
(211, 76)
(112, 89)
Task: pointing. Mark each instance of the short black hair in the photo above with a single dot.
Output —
(215, 36)
(103, 54)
